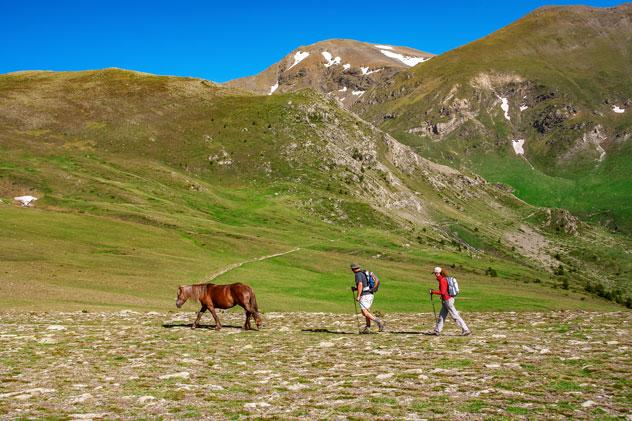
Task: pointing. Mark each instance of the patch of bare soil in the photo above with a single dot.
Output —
(306, 365)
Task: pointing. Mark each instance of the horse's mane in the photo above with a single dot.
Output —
(197, 291)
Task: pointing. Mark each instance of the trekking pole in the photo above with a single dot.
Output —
(355, 305)
(433, 307)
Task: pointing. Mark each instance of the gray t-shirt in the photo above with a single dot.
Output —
(360, 278)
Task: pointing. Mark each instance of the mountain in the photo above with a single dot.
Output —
(144, 182)
(340, 67)
(543, 105)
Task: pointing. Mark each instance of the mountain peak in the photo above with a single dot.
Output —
(344, 68)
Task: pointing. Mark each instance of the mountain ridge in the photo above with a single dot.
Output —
(547, 93)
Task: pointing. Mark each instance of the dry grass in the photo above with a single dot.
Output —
(312, 365)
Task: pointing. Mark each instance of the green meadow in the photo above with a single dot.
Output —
(141, 193)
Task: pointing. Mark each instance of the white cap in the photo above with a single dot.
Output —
(437, 269)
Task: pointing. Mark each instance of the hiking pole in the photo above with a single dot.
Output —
(355, 305)
(433, 306)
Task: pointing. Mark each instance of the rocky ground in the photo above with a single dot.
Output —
(302, 365)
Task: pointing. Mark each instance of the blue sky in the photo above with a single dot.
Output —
(224, 40)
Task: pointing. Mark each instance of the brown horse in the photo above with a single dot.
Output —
(213, 296)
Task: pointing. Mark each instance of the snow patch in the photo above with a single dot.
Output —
(518, 146)
(366, 71)
(25, 200)
(618, 110)
(357, 93)
(346, 66)
(523, 107)
(407, 60)
(383, 47)
(330, 60)
(504, 106)
(298, 57)
(274, 88)
(344, 89)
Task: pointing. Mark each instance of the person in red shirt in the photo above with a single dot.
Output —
(447, 306)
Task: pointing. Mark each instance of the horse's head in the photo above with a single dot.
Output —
(182, 297)
(258, 320)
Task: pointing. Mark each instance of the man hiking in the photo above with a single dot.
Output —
(447, 302)
(364, 296)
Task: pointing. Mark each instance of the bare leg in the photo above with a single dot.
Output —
(218, 325)
(199, 316)
(368, 316)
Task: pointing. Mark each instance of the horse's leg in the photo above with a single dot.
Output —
(199, 316)
(250, 312)
(218, 325)
(247, 323)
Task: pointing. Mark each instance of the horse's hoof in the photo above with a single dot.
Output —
(218, 328)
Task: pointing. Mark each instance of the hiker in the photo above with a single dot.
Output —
(447, 302)
(364, 296)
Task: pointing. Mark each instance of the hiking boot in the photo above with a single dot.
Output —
(366, 330)
(380, 325)
(466, 333)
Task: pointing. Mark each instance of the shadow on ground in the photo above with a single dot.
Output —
(339, 332)
(199, 326)
(334, 332)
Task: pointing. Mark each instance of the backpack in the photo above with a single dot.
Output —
(453, 286)
(373, 286)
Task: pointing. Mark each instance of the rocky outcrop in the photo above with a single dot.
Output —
(559, 220)
(553, 117)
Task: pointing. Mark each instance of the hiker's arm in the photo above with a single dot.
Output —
(440, 291)
(359, 287)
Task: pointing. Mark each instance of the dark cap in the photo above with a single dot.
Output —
(355, 266)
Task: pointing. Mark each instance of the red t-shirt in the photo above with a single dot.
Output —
(443, 289)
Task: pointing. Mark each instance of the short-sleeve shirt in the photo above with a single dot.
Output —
(360, 278)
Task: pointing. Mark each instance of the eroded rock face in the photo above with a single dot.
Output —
(560, 220)
(457, 111)
(592, 143)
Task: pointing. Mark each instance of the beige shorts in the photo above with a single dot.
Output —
(366, 301)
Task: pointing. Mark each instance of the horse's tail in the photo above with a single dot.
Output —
(254, 307)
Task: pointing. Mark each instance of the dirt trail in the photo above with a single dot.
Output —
(239, 264)
(129, 365)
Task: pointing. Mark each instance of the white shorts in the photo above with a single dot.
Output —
(366, 301)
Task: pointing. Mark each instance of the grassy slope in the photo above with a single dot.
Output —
(582, 56)
(131, 207)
